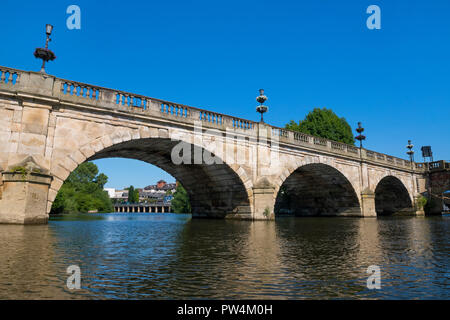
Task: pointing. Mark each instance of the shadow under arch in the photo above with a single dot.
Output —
(215, 190)
(317, 189)
(392, 198)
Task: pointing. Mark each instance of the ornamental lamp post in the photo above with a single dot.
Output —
(360, 137)
(44, 53)
(410, 151)
(261, 108)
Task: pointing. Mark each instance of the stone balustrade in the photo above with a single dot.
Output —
(433, 166)
(9, 76)
(13, 80)
(439, 165)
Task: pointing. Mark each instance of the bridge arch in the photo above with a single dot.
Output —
(392, 197)
(317, 189)
(215, 190)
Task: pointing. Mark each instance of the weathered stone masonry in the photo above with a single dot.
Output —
(48, 126)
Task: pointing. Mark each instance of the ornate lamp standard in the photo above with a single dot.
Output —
(360, 137)
(261, 108)
(410, 152)
(44, 53)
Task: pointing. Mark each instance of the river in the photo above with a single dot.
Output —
(171, 256)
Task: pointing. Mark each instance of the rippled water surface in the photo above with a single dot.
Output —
(168, 256)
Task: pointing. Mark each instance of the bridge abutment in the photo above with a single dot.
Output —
(23, 197)
(263, 200)
(368, 204)
(419, 211)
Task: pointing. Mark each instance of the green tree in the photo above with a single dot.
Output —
(83, 191)
(324, 123)
(101, 180)
(133, 195)
(180, 202)
(85, 173)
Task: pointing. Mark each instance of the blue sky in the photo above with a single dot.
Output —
(217, 54)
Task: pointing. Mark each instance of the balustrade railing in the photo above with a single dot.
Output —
(338, 146)
(320, 141)
(80, 90)
(352, 149)
(71, 88)
(11, 79)
(432, 166)
(173, 109)
(370, 154)
(420, 165)
(242, 124)
(280, 132)
(211, 117)
(439, 165)
(301, 137)
(9, 76)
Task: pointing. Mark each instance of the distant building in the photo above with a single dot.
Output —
(111, 192)
(117, 195)
(161, 185)
(156, 193)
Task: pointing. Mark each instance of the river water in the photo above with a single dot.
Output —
(170, 256)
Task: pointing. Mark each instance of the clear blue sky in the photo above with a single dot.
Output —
(217, 54)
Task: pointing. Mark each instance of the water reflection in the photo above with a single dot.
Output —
(167, 256)
(27, 270)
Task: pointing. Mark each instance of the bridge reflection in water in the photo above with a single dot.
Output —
(170, 256)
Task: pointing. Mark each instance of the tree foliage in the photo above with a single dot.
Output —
(83, 191)
(324, 123)
(180, 201)
(133, 195)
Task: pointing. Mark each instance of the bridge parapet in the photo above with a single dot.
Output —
(434, 166)
(79, 92)
(306, 140)
(74, 93)
(86, 94)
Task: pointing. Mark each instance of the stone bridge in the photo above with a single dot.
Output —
(231, 167)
